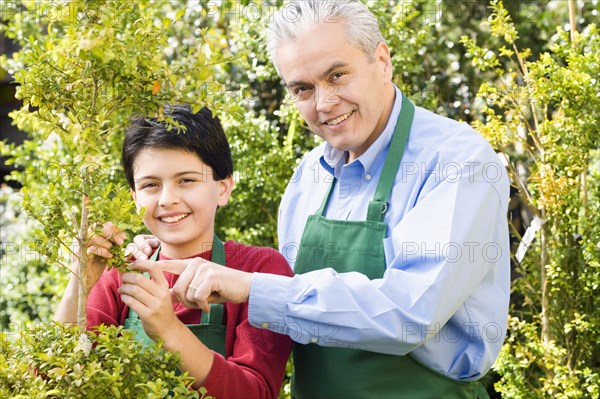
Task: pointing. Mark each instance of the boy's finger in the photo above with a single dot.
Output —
(99, 241)
(157, 275)
(136, 292)
(99, 251)
(132, 250)
(140, 244)
(146, 243)
(112, 233)
(153, 241)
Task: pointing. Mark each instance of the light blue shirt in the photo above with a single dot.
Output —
(444, 296)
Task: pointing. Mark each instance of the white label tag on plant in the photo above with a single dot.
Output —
(528, 237)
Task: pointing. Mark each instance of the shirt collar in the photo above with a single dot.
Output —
(333, 160)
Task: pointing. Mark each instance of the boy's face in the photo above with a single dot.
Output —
(181, 198)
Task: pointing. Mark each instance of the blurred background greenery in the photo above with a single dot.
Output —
(524, 73)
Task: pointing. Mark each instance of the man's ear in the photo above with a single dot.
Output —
(225, 188)
(382, 56)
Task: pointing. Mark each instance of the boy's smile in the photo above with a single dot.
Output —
(172, 217)
(181, 198)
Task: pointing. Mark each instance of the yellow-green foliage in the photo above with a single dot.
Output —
(543, 115)
(48, 361)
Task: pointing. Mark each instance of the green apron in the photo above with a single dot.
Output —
(211, 330)
(329, 372)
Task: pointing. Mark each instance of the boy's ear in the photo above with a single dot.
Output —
(225, 189)
(134, 196)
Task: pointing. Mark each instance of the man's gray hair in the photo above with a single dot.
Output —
(301, 15)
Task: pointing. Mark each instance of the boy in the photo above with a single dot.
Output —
(181, 178)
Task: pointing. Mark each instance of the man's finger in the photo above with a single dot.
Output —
(174, 266)
(171, 266)
(205, 289)
(200, 297)
(215, 298)
(174, 298)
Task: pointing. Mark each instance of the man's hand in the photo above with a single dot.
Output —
(202, 282)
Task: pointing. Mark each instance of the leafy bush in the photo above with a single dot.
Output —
(30, 288)
(82, 75)
(543, 114)
(51, 360)
(81, 80)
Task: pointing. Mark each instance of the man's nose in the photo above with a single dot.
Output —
(326, 97)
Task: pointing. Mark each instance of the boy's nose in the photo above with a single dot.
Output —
(168, 197)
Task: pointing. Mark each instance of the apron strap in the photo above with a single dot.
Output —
(218, 251)
(379, 205)
(215, 316)
(326, 198)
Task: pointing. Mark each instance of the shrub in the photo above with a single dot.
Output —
(51, 360)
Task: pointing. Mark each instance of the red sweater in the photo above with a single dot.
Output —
(255, 363)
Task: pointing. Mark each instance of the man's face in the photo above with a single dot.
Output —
(344, 98)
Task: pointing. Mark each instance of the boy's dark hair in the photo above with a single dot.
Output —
(203, 135)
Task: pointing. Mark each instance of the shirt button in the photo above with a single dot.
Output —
(265, 324)
(368, 177)
(314, 340)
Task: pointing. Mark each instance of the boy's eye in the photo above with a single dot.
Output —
(187, 180)
(149, 185)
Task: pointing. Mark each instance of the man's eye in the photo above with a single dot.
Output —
(334, 77)
(301, 92)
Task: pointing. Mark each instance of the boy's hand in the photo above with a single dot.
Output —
(102, 242)
(150, 298)
(99, 251)
(142, 246)
(202, 282)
